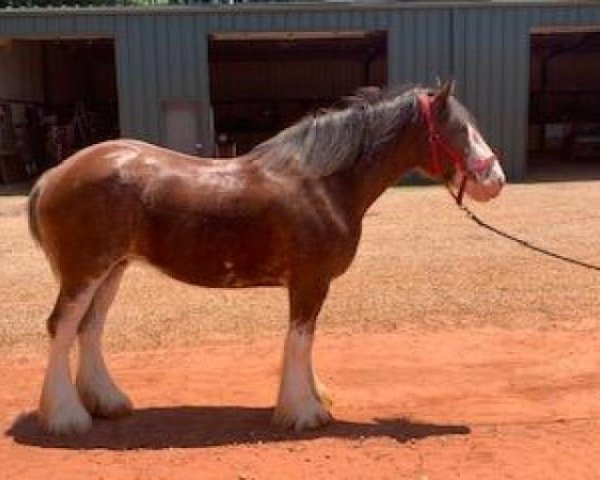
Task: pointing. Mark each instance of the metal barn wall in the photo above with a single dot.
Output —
(162, 53)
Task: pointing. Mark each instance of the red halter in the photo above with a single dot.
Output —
(436, 143)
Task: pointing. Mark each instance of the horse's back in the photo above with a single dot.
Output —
(110, 169)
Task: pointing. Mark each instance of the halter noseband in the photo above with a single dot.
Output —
(436, 143)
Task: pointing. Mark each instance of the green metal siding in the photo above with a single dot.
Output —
(163, 54)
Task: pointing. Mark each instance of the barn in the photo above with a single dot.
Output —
(221, 78)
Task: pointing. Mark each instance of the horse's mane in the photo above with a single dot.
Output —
(335, 139)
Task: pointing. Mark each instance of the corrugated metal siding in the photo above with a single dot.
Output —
(492, 71)
(163, 54)
(419, 45)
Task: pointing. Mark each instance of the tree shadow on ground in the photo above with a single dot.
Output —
(210, 426)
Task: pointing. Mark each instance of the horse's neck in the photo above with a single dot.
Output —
(375, 175)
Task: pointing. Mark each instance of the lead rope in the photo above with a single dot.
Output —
(472, 216)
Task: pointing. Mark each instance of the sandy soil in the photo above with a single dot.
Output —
(449, 353)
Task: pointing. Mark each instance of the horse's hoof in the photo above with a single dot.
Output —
(111, 403)
(117, 410)
(66, 420)
(307, 418)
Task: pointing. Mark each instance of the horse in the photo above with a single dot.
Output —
(286, 214)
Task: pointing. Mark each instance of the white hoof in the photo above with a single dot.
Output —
(310, 416)
(106, 402)
(66, 418)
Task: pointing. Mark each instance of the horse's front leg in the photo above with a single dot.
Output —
(302, 403)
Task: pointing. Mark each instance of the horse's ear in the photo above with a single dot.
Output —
(444, 92)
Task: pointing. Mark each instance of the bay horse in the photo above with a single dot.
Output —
(287, 214)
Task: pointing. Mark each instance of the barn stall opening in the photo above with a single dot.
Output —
(262, 82)
(56, 96)
(564, 119)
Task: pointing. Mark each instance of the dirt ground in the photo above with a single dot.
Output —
(449, 353)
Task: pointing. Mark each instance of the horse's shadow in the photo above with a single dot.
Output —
(207, 426)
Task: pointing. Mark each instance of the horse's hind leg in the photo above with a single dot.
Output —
(302, 403)
(60, 408)
(96, 388)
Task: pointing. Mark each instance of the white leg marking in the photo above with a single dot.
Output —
(96, 388)
(299, 405)
(60, 408)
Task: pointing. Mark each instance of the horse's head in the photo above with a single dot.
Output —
(457, 151)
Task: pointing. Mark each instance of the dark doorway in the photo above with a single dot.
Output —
(564, 114)
(264, 82)
(56, 97)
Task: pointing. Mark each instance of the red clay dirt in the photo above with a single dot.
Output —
(472, 405)
(448, 353)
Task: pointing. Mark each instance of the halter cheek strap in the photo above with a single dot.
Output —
(436, 143)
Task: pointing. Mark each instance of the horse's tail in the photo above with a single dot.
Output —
(34, 225)
(34, 228)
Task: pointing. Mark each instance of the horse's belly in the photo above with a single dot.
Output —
(225, 276)
(221, 265)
